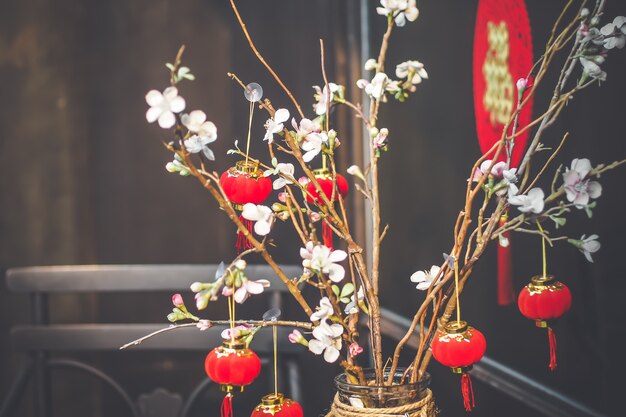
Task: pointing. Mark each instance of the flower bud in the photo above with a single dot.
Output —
(177, 300)
(584, 12)
(283, 215)
(371, 64)
(356, 171)
(522, 84)
(314, 216)
(241, 264)
(278, 207)
(296, 337)
(196, 287)
(282, 197)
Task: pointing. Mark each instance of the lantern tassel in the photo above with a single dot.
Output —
(552, 341)
(242, 241)
(468, 392)
(505, 269)
(227, 406)
(327, 235)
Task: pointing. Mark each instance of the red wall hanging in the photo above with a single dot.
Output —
(503, 53)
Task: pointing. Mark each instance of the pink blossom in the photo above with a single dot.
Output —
(578, 188)
(355, 349)
(282, 197)
(203, 325)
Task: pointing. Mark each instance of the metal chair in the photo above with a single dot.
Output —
(41, 338)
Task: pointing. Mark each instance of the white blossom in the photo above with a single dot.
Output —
(425, 278)
(377, 87)
(196, 123)
(589, 245)
(615, 33)
(327, 340)
(275, 124)
(249, 287)
(355, 301)
(197, 144)
(578, 188)
(531, 202)
(321, 260)
(306, 126)
(324, 310)
(415, 69)
(400, 10)
(322, 97)
(592, 69)
(312, 145)
(163, 106)
(287, 171)
(260, 214)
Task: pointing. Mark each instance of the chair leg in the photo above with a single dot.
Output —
(43, 398)
(15, 392)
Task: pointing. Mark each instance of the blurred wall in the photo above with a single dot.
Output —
(82, 174)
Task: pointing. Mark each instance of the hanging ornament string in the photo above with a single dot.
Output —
(543, 249)
(253, 93)
(275, 361)
(249, 130)
(231, 310)
(456, 286)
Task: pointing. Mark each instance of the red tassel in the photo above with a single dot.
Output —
(468, 392)
(552, 341)
(227, 406)
(505, 270)
(327, 235)
(242, 241)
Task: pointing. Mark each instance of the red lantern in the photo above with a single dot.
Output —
(244, 183)
(542, 300)
(325, 180)
(458, 347)
(231, 365)
(277, 405)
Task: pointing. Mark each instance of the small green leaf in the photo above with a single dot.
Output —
(558, 221)
(170, 66)
(347, 290)
(589, 207)
(344, 300)
(335, 290)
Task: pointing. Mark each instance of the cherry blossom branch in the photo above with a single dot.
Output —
(262, 60)
(210, 323)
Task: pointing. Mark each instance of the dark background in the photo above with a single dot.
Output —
(82, 177)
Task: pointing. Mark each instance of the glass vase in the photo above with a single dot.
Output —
(381, 396)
